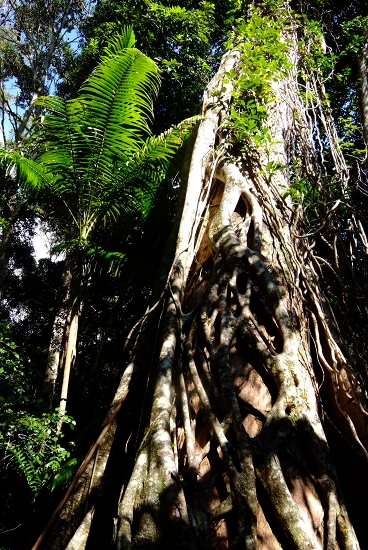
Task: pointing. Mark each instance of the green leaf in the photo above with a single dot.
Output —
(97, 144)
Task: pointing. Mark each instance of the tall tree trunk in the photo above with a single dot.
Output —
(57, 337)
(362, 60)
(253, 390)
(6, 238)
(70, 356)
(9, 215)
(63, 343)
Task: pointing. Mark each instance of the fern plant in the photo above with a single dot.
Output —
(31, 445)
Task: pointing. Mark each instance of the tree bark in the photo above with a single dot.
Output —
(252, 388)
(70, 356)
(9, 215)
(362, 60)
(57, 336)
(6, 238)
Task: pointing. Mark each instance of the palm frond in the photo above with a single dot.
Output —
(63, 141)
(28, 172)
(97, 144)
(126, 39)
(148, 166)
(114, 260)
(161, 148)
(119, 97)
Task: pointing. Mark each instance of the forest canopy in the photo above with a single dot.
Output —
(187, 366)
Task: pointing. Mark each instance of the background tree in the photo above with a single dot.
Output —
(35, 37)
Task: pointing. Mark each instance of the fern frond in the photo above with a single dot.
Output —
(26, 465)
(126, 39)
(97, 144)
(119, 97)
(64, 143)
(28, 172)
(65, 473)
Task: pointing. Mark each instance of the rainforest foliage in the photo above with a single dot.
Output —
(98, 102)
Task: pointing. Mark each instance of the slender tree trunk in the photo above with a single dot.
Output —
(363, 95)
(6, 238)
(57, 336)
(64, 337)
(253, 390)
(70, 356)
(9, 217)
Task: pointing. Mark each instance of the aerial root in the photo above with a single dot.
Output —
(268, 468)
(270, 474)
(244, 495)
(333, 368)
(127, 505)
